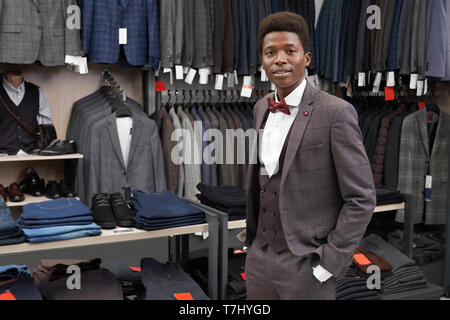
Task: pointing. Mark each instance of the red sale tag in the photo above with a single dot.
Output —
(7, 296)
(135, 269)
(389, 93)
(238, 251)
(422, 105)
(183, 296)
(243, 275)
(362, 259)
(160, 86)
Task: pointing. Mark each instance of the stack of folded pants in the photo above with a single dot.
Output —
(427, 246)
(10, 232)
(228, 199)
(55, 220)
(96, 283)
(16, 284)
(386, 197)
(406, 275)
(168, 282)
(157, 211)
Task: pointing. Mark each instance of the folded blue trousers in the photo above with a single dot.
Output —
(15, 240)
(10, 234)
(54, 231)
(7, 222)
(66, 236)
(161, 205)
(55, 209)
(14, 269)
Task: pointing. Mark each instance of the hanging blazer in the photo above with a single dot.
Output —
(416, 159)
(35, 30)
(101, 22)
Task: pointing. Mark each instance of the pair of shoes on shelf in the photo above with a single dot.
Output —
(33, 184)
(58, 189)
(14, 193)
(58, 148)
(111, 210)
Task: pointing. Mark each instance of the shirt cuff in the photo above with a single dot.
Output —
(321, 274)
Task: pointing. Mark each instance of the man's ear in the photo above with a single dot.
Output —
(308, 58)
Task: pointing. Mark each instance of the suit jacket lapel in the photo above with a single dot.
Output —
(300, 124)
(441, 134)
(135, 138)
(421, 117)
(114, 136)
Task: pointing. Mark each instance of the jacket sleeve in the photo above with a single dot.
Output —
(72, 36)
(153, 33)
(87, 17)
(357, 190)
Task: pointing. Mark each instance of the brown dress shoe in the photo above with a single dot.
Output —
(3, 193)
(15, 194)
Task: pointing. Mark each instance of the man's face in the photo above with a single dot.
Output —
(284, 59)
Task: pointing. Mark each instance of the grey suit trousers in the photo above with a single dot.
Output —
(283, 276)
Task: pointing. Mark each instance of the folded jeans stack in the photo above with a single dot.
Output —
(16, 284)
(55, 220)
(10, 232)
(163, 211)
(406, 275)
(228, 199)
(168, 282)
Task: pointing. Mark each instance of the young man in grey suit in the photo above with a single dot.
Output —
(311, 193)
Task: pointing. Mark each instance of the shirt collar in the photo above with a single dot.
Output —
(295, 97)
(8, 86)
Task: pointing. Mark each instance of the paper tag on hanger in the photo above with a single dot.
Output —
(247, 87)
(170, 72)
(428, 188)
(179, 74)
(219, 82)
(349, 89)
(390, 81)
(185, 70)
(361, 259)
(204, 73)
(389, 93)
(425, 87)
(377, 82)
(236, 78)
(190, 76)
(123, 36)
(264, 75)
(243, 275)
(160, 86)
(420, 88)
(230, 80)
(413, 81)
(361, 79)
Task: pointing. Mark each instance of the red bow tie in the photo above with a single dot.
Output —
(282, 106)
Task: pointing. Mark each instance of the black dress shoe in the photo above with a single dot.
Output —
(33, 184)
(65, 190)
(123, 213)
(102, 211)
(52, 190)
(58, 147)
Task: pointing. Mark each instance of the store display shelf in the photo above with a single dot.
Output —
(32, 157)
(107, 237)
(241, 224)
(28, 199)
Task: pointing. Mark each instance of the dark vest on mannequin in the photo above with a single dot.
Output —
(14, 136)
(270, 231)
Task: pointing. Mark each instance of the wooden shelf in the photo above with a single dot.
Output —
(241, 224)
(107, 237)
(28, 199)
(32, 157)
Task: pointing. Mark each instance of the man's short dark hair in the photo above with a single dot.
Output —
(285, 21)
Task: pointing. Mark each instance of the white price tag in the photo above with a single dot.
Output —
(190, 76)
(390, 82)
(377, 83)
(420, 88)
(179, 74)
(219, 82)
(170, 72)
(264, 75)
(413, 81)
(247, 87)
(236, 78)
(230, 80)
(123, 36)
(204, 73)
(425, 88)
(361, 79)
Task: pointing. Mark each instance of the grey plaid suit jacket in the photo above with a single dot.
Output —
(327, 194)
(171, 24)
(414, 155)
(36, 30)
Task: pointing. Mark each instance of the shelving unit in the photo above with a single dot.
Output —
(32, 157)
(28, 199)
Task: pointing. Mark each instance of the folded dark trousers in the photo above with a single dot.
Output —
(163, 281)
(224, 195)
(234, 210)
(44, 223)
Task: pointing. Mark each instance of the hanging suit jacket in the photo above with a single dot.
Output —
(203, 33)
(416, 159)
(102, 20)
(35, 30)
(327, 194)
(107, 171)
(171, 14)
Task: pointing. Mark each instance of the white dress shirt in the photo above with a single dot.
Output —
(124, 129)
(273, 139)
